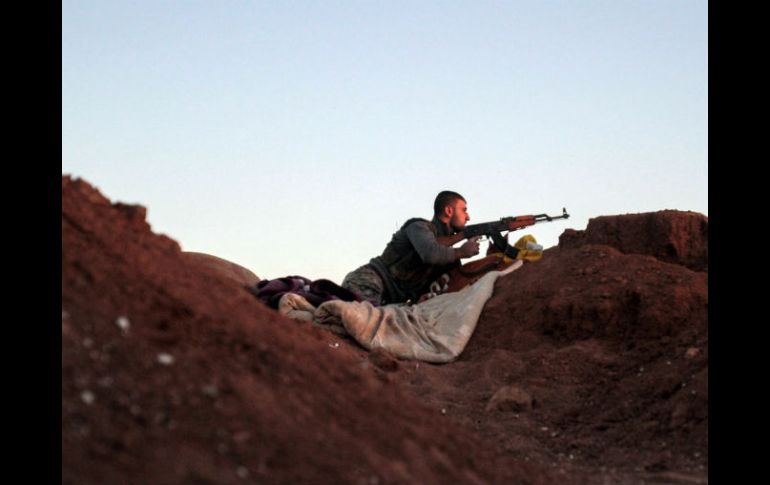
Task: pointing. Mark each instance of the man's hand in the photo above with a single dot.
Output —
(470, 248)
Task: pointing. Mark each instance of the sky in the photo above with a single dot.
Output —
(295, 137)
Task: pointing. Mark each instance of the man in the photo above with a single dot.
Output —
(413, 258)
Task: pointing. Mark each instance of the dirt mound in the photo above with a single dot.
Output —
(669, 235)
(221, 266)
(173, 375)
(612, 351)
(589, 366)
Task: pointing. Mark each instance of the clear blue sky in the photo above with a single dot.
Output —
(294, 137)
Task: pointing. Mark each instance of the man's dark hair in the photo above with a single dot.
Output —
(443, 199)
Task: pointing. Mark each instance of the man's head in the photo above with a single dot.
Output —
(450, 207)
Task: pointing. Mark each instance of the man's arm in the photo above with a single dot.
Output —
(431, 252)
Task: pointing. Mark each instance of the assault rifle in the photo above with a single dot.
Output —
(493, 229)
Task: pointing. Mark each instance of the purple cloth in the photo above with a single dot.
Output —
(315, 292)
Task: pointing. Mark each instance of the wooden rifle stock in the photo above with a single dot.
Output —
(450, 240)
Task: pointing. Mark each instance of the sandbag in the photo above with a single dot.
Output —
(436, 330)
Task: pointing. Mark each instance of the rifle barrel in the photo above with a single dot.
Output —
(486, 228)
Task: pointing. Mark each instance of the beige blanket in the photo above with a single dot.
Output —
(436, 330)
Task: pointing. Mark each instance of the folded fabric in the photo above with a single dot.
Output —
(315, 292)
(295, 307)
(436, 330)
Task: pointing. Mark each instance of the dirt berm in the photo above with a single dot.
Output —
(589, 366)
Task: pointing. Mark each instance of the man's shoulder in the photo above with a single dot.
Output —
(419, 222)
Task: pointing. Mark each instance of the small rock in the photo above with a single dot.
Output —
(692, 352)
(165, 359)
(87, 397)
(242, 472)
(510, 398)
(123, 323)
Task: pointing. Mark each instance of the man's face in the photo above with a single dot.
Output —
(459, 214)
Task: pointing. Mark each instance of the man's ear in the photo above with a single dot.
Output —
(449, 211)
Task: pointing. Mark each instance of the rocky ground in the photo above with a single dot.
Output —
(589, 366)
